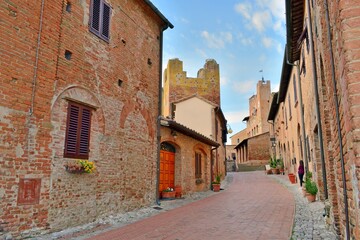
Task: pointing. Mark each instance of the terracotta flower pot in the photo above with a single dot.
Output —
(168, 195)
(311, 198)
(292, 178)
(216, 187)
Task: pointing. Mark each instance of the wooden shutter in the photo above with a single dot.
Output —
(197, 165)
(77, 131)
(95, 16)
(100, 19)
(72, 130)
(106, 21)
(85, 132)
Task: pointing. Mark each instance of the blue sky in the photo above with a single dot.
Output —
(243, 37)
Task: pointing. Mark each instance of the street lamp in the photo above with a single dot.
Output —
(229, 130)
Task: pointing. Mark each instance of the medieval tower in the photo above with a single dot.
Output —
(178, 86)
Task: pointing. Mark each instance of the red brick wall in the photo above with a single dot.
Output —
(346, 46)
(258, 148)
(185, 161)
(123, 142)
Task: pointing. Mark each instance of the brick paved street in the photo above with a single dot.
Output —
(254, 206)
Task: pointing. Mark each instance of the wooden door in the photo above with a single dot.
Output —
(167, 170)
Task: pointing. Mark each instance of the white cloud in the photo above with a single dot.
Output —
(267, 42)
(261, 20)
(217, 41)
(244, 9)
(235, 117)
(275, 87)
(223, 81)
(244, 86)
(263, 14)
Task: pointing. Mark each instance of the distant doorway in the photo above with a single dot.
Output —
(167, 166)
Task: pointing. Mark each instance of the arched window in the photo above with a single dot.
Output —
(198, 171)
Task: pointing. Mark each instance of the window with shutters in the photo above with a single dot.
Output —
(198, 165)
(100, 13)
(77, 131)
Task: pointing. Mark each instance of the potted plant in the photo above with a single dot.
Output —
(281, 166)
(168, 193)
(312, 189)
(273, 165)
(292, 178)
(80, 166)
(216, 184)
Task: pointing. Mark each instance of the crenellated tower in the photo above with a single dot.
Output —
(177, 85)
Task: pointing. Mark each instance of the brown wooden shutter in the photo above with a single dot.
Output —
(85, 132)
(197, 165)
(72, 130)
(77, 131)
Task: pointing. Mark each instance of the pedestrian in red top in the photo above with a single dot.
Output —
(301, 172)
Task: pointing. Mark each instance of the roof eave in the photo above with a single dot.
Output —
(166, 21)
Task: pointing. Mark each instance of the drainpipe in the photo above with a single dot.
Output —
(31, 111)
(338, 124)
(273, 128)
(322, 155)
(211, 165)
(158, 136)
(301, 113)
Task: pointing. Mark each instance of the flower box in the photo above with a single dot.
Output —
(168, 195)
(80, 166)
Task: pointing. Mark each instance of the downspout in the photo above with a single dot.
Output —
(31, 111)
(322, 155)
(338, 124)
(273, 130)
(211, 166)
(159, 116)
(301, 113)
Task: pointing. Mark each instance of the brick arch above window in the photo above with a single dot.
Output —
(59, 113)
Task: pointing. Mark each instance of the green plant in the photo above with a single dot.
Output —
(273, 162)
(281, 163)
(308, 176)
(168, 189)
(217, 179)
(312, 188)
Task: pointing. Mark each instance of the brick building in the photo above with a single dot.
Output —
(186, 158)
(195, 103)
(79, 80)
(252, 143)
(321, 71)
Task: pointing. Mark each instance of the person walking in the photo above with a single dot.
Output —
(301, 172)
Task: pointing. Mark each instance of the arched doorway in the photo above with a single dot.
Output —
(167, 166)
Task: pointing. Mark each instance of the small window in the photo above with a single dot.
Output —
(77, 131)
(290, 115)
(100, 19)
(197, 165)
(295, 92)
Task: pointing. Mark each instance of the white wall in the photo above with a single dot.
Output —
(195, 114)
